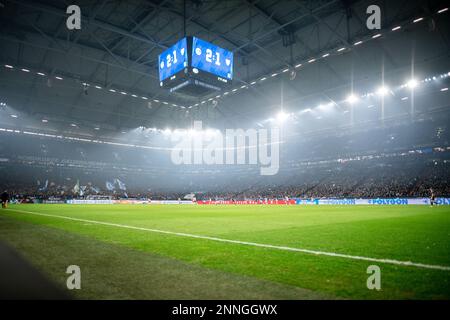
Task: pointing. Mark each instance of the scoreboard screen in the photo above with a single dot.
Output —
(173, 60)
(212, 59)
(194, 67)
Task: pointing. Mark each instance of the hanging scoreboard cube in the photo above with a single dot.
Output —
(195, 67)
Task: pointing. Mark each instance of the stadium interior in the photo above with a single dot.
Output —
(100, 84)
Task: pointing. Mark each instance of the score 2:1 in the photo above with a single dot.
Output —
(209, 55)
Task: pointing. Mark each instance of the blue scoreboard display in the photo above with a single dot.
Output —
(173, 60)
(194, 66)
(212, 59)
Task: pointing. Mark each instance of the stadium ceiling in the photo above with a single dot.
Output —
(105, 75)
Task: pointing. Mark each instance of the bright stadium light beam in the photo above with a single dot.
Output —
(382, 91)
(306, 110)
(413, 83)
(282, 116)
(352, 98)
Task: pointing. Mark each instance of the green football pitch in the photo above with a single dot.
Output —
(236, 252)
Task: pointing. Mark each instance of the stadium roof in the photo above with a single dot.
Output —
(105, 75)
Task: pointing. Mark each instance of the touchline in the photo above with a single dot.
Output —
(237, 147)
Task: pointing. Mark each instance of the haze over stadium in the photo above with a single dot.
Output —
(282, 147)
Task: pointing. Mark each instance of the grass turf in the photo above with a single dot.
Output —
(407, 233)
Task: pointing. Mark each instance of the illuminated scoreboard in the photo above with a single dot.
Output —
(212, 59)
(173, 60)
(195, 66)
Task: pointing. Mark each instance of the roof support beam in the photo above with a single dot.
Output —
(94, 22)
(253, 41)
(71, 53)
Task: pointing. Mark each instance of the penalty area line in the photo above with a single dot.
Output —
(254, 244)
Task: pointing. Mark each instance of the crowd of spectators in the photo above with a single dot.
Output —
(350, 181)
(403, 161)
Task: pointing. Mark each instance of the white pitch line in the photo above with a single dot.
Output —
(254, 244)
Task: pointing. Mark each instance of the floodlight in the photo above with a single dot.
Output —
(352, 98)
(281, 116)
(383, 90)
(412, 83)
